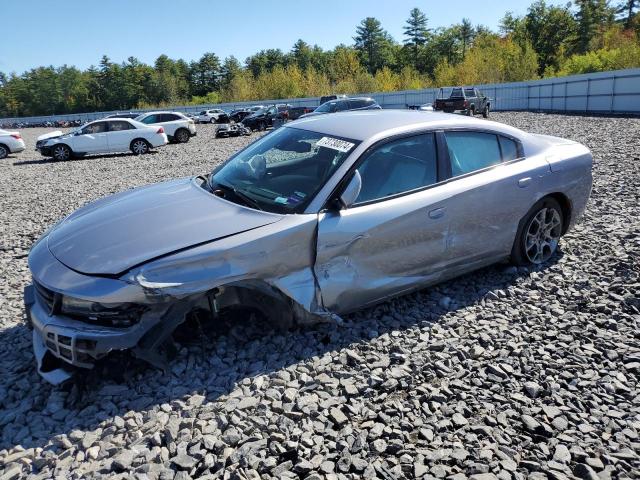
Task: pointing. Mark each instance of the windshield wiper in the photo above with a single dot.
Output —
(242, 196)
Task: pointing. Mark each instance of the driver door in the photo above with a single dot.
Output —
(92, 139)
(393, 239)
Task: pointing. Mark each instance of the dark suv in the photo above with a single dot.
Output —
(344, 104)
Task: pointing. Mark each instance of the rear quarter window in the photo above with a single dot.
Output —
(509, 148)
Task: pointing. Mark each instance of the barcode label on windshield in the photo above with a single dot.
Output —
(335, 144)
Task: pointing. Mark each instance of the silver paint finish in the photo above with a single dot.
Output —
(176, 242)
(124, 230)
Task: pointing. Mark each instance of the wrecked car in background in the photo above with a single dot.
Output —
(316, 219)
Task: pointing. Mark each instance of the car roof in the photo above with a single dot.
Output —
(364, 124)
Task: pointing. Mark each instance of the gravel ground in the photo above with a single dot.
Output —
(503, 373)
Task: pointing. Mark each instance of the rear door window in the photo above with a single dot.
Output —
(119, 125)
(472, 151)
(469, 92)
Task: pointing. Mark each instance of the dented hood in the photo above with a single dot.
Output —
(113, 234)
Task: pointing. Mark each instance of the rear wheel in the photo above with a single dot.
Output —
(140, 146)
(61, 153)
(485, 112)
(539, 233)
(213, 120)
(182, 136)
(4, 151)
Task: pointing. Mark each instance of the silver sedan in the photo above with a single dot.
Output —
(320, 217)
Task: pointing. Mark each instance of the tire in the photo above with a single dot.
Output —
(538, 233)
(212, 120)
(181, 136)
(471, 111)
(4, 151)
(140, 146)
(61, 152)
(485, 112)
(262, 127)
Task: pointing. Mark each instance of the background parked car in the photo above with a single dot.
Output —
(102, 136)
(239, 114)
(178, 127)
(210, 116)
(343, 105)
(231, 130)
(328, 98)
(129, 115)
(467, 100)
(262, 119)
(10, 142)
(296, 112)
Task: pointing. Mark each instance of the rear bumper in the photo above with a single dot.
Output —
(17, 147)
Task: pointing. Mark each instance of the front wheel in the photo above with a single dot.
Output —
(139, 146)
(485, 112)
(61, 153)
(262, 126)
(539, 233)
(212, 120)
(182, 136)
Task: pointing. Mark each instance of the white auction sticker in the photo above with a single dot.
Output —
(335, 144)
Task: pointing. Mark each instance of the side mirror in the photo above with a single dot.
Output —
(351, 192)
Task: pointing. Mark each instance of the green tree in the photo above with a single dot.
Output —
(467, 33)
(627, 11)
(593, 17)
(372, 43)
(550, 30)
(416, 33)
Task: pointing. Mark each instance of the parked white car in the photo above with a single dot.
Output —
(210, 116)
(10, 142)
(102, 136)
(178, 127)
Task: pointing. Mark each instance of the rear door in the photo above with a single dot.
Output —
(492, 186)
(394, 237)
(92, 139)
(120, 135)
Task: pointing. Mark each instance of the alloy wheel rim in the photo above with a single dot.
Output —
(61, 153)
(139, 147)
(543, 235)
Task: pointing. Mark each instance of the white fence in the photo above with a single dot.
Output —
(614, 92)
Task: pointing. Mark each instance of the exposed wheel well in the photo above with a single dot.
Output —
(565, 204)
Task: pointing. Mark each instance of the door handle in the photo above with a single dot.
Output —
(524, 182)
(436, 213)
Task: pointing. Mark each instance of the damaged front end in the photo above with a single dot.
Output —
(79, 318)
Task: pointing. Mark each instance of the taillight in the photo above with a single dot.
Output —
(160, 130)
(466, 103)
(16, 136)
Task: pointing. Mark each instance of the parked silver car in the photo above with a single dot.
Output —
(320, 217)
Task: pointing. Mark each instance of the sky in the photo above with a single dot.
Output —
(72, 32)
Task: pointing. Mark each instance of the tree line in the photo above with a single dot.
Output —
(548, 40)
